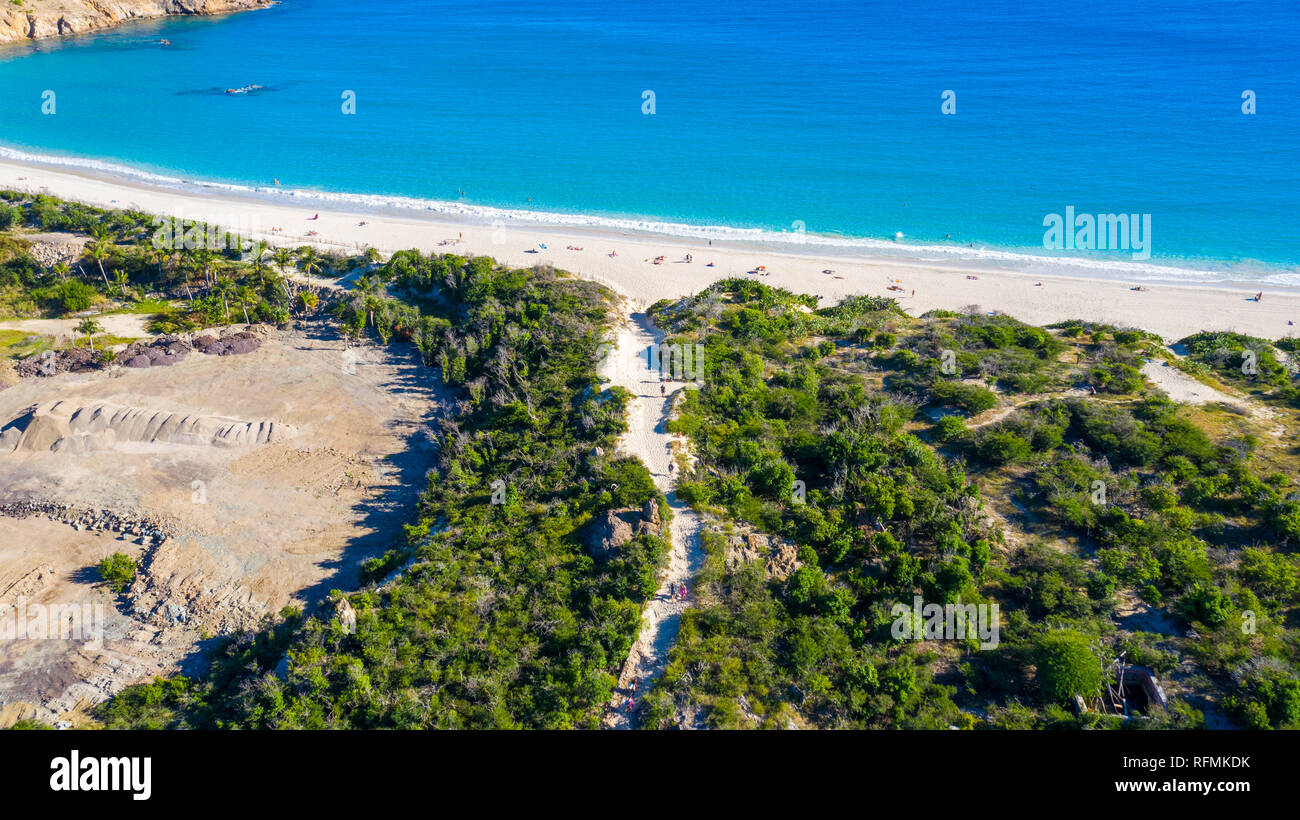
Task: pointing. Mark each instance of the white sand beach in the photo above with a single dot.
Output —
(624, 261)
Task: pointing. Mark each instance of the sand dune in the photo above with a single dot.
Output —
(65, 426)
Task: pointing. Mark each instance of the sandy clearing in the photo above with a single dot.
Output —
(648, 439)
(126, 325)
(259, 523)
(1181, 387)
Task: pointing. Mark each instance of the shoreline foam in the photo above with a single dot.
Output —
(986, 258)
(1172, 309)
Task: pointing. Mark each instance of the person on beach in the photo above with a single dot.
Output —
(1259, 296)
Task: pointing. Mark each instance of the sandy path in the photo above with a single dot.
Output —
(648, 439)
(1172, 310)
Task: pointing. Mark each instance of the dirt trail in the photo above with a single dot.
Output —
(648, 439)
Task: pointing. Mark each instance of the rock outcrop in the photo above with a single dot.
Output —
(779, 556)
(607, 533)
(346, 616)
(38, 19)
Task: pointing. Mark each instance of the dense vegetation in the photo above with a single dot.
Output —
(498, 617)
(1120, 502)
(966, 458)
(184, 275)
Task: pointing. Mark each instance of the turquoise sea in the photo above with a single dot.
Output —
(818, 121)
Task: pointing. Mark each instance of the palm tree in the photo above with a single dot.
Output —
(308, 261)
(283, 257)
(367, 285)
(121, 278)
(260, 251)
(244, 298)
(90, 327)
(99, 250)
(307, 300)
(159, 256)
(204, 258)
(188, 265)
(62, 270)
(224, 288)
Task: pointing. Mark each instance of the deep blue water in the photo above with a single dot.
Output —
(768, 115)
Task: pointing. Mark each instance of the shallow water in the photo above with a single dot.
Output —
(819, 121)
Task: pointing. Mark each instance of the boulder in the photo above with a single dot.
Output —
(651, 523)
(346, 616)
(606, 534)
(615, 528)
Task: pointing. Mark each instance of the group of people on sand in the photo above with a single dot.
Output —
(657, 260)
(675, 592)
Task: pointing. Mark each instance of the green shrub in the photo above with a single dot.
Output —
(118, 571)
(74, 296)
(971, 398)
(1066, 667)
(949, 428)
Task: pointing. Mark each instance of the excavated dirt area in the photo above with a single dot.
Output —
(240, 483)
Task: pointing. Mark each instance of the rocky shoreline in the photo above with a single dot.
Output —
(40, 19)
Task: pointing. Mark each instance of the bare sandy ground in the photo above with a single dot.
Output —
(1173, 311)
(1181, 387)
(125, 325)
(259, 523)
(648, 439)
